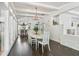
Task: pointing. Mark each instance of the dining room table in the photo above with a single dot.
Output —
(32, 34)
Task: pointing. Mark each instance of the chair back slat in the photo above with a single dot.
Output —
(46, 37)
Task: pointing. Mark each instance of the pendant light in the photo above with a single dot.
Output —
(35, 17)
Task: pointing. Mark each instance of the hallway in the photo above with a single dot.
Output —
(21, 48)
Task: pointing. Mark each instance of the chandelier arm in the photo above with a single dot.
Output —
(36, 17)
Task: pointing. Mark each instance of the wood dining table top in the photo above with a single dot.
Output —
(32, 33)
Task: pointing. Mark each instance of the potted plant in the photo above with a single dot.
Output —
(36, 28)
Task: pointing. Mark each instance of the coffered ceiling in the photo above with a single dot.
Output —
(44, 8)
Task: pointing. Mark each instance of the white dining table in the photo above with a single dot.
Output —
(32, 34)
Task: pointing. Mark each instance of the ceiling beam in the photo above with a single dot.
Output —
(41, 5)
(27, 15)
(29, 11)
(65, 8)
(74, 12)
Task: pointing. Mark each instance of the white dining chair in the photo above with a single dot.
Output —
(34, 41)
(41, 27)
(45, 40)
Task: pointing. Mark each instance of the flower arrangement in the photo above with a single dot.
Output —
(36, 28)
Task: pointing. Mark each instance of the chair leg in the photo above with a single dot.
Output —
(36, 45)
(42, 49)
(31, 43)
(49, 47)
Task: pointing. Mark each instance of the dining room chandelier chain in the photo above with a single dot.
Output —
(35, 17)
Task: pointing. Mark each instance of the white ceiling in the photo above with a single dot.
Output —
(32, 7)
(44, 8)
(56, 4)
(76, 9)
(19, 6)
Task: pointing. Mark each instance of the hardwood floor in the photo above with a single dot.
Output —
(22, 48)
(39, 52)
(56, 50)
(60, 50)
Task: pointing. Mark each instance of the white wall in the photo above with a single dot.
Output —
(56, 33)
(10, 30)
(59, 33)
(69, 40)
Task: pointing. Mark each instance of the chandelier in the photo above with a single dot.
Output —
(35, 17)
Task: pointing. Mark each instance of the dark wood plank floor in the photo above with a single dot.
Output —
(59, 50)
(22, 48)
(56, 50)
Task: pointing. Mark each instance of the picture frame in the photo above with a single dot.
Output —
(71, 31)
